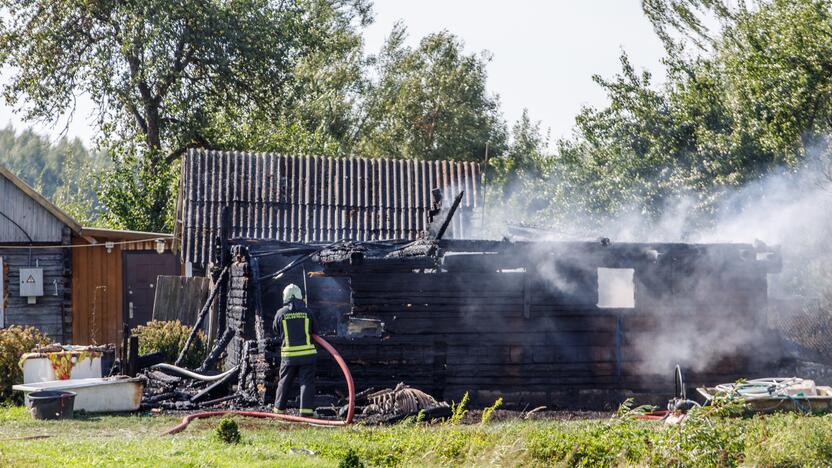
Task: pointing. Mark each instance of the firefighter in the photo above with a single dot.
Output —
(295, 325)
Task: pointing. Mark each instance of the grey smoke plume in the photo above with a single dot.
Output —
(789, 208)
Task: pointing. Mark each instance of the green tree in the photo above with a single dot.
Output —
(778, 68)
(755, 101)
(517, 179)
(685, 18)
(524, 157)
(64, 172)
(322, 95)
(429, 102)
(157, 71)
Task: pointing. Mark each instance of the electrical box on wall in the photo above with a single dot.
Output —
(31, 283)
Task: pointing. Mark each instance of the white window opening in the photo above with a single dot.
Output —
(616, 288)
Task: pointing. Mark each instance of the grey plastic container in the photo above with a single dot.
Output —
(51, 404)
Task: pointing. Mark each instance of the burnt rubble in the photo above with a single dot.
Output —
(168, 392)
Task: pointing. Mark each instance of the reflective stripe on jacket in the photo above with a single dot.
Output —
(296, 325)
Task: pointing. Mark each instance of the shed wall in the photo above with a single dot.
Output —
(97, 308)
(98, 291)
(51, 314)
(39, 223)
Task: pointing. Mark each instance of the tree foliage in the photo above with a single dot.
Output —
(429, 102)
(756, 101)
(685, 18)
(317, 116)
(288, 76)
(157, 71)
(293, 77)
(64, 172)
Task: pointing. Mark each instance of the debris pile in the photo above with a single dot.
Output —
(250, 385)
(791, 394)
(393, 405)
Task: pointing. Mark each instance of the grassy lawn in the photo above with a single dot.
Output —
(781, 440)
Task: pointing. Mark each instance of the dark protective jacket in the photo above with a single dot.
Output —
(294, 324)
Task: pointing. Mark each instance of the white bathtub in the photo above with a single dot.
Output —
(95, 395)
(38, 368)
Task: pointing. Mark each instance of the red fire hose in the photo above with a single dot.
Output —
(286, 417)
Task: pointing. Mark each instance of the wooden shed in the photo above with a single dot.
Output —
(34, 240)
(78, 285)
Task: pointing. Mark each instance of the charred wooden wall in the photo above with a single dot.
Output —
(522, 321)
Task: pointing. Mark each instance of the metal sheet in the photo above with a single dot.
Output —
(314, 199)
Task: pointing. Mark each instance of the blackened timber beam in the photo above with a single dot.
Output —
(201, 316)
(446, 220)
(217, 388)
(217, 351)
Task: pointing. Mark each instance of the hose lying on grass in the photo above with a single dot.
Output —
(286, 417)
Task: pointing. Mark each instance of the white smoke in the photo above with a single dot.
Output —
(791, 209)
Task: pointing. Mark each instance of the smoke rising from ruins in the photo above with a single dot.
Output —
(791, 209)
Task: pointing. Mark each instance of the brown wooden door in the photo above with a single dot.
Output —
(140, 271)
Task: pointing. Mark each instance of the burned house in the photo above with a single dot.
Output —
(405, 297)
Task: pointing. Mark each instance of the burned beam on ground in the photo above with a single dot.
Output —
(217, 350)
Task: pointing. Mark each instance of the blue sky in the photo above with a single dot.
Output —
(544, 52)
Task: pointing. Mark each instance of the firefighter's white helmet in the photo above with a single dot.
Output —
(292, 292)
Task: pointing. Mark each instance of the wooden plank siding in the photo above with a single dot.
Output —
(521, 320)
(98, 290)
(51, 313)
(28, 219)
(97, 306)
(28, 209)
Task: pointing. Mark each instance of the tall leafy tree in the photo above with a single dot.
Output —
(429, 102)
(321, 98)
(677, 20)
(754, 101)
(157, 70)
(524, 156)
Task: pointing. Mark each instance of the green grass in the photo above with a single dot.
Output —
(779, 440)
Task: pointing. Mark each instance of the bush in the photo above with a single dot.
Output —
(228, 431)
(16, 341)
(351, 460)
(169, 338)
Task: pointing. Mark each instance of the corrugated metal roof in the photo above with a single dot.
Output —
(314, 199)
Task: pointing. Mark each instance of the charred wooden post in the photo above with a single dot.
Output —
(237, 313)
(224, 259)
(201, 316)
(445, 216)
(132, 356)
(259, 326)
(214, 356)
